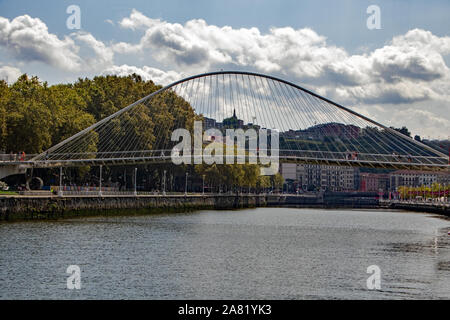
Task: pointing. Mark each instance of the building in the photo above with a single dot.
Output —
(309, 176)
(289, 171)
(233, 122)
(443, 178)
(373, 182)
(338, 178)
(416, 178)
(209, 123)
(321, 177)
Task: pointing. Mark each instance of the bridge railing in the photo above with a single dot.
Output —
(435, 202)
(131, 193)
(16, 157)
(312, 156)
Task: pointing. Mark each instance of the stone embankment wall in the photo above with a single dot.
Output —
(52, 207)
(421, 207)
(30, 208)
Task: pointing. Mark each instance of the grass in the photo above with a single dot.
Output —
(8, 192)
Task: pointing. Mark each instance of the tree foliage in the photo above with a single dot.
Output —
(35, 116)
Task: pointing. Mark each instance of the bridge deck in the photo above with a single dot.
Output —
(373, 161)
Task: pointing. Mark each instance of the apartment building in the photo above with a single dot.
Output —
(313, 177)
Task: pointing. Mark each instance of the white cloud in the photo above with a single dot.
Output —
(137, 20)
(428, 122)
(147, 73)
(409, 68)
(402, 71)
(110, 22)
(423, 118)
(28, 39)
(103, 55)
(382, 93)
(9, 74)
(197, 45)
(126, 48)
(423, 40)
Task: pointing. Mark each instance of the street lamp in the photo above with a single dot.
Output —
(60, 192)
(100, 182)
(164, 183)
(424, 186)
(135, 181)
(203, 189)
(445, 192)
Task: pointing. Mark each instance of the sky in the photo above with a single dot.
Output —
(397, 74)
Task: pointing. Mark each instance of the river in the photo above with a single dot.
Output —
(263, 253)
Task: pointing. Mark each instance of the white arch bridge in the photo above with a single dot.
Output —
(312, 129)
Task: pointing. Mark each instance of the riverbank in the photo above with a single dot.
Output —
(438, 208)
(41, 207)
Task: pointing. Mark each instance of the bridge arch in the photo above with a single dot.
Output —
(312, 128)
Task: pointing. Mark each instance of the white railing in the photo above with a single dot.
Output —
(431, 203)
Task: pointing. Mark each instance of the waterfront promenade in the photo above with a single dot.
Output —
(422, 206)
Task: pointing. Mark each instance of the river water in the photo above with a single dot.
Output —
(263, 253)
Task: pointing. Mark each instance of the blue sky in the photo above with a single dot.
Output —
(343, 22)
(398, 74)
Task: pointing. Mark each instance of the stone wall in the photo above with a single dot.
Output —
(53, 207)
(421, 207)
(30, 208)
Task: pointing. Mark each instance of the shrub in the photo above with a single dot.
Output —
(3, 186)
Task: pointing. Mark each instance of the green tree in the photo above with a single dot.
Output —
(277, 180)
(404, 130)
(4, 99)
(263, 182)
(251, 174)
(68, 112)
(28, 119)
